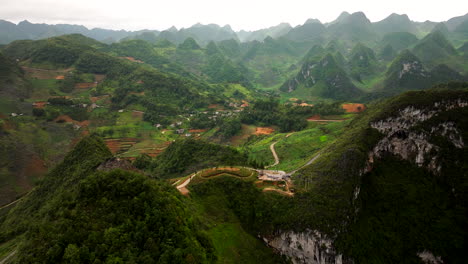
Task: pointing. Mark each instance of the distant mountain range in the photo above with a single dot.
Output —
(354, 26)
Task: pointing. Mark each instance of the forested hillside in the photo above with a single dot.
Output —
(339, 142)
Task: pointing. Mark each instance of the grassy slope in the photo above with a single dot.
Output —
(233, 244)
(295, 150)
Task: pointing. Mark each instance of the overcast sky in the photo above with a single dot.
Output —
(240, 14)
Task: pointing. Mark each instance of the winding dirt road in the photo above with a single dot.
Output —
(5, 259)
(182, 187)
(272, 148)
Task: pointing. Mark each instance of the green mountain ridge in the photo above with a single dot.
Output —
(367, 120)
(74, 196)
(324, 78)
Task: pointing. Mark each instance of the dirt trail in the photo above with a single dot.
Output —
(272, 148)
(307, 164)
(182, 187)
(269, 189)
(5, 259)
(12, 203)
(15, 201)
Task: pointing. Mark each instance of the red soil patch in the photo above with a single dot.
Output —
(244, 103)
(60, 77)
(94, 99)
(184, 191)
(306, 104)
(40, 104)
(152, 153)
(120, 144)
(113, 145)
(68, 119)
(85, 85)
(137, 114)
(353, 108)
(36, 167)
(63, 118)
(214, 106)
(264, 131)
(197, 130)
(315, 117)
(293, 99)
(140, 82)
(132, 59)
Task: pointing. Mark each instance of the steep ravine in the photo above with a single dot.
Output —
(400, 138)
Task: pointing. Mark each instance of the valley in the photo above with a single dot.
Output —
(324, 143)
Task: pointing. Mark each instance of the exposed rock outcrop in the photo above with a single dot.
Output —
(305, 247)
(117, 163)
(413, 145)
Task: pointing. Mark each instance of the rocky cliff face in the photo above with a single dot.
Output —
(402, 140)
(305, 247)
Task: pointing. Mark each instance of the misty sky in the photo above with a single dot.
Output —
(240, 14)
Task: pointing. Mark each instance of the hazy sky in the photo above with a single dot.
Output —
(240, 14)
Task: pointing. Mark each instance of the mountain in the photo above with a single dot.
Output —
(443, 74)
(206, 33)
(462, 29)
(187, 156)
(454, 22)
(362, 61)
(27, 30)
(323, 78)
(261, 34)
(442, 28)
(399, 40)
(463, 49)
(151, 37)
(397, 149)
(407, 72)
(387, 53)
(434, 48)
(395, 23)
(355, 28)
(78, 192)
(13, 83)
(312, 30)
(71, 51)
(342, 17)
(189, 44)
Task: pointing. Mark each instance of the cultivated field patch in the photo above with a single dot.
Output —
(264, 131)
(353, 108)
